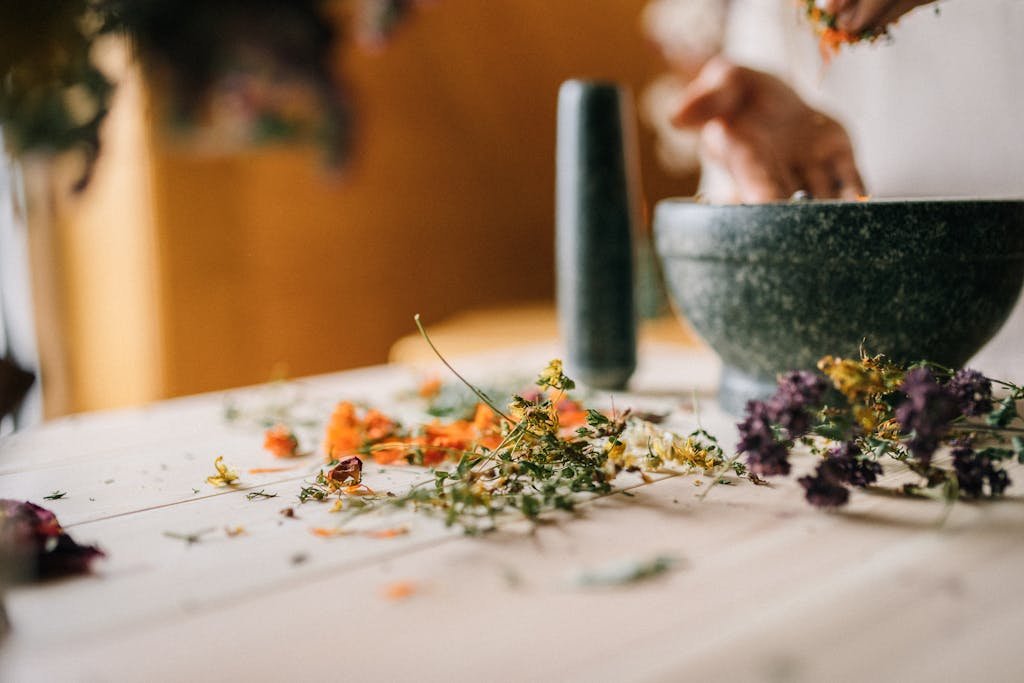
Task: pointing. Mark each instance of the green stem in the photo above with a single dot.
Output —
(719, 476)
(479, 394)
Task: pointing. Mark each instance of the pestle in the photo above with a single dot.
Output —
(597, 193)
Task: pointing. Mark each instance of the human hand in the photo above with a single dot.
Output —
(769, 140)
(857, 16)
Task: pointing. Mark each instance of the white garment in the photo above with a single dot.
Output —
(937, 111)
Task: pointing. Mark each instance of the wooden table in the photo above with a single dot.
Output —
(764, 587)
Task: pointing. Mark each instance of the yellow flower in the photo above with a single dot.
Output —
(889, 430)
(554, 376)
(850, 377)
(225, 476)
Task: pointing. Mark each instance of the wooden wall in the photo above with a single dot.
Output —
(266, 262)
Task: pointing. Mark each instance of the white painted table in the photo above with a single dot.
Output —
(766, 588)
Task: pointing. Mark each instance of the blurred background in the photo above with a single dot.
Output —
(188, 268)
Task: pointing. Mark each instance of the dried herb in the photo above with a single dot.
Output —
(522, 460)
(225, 475)
(830, 37)
(625, 571)
(281, 441)
(56, 495)
(36, 543)
(253, 495)
(858, 414)
(189, 538)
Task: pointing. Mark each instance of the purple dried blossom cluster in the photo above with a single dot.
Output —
(974, 470)
(931, 406)
(844, 465)
(33, 534)
(972, 391)
(928, 408)
(926, 413)
(766, 455)
(789, 408)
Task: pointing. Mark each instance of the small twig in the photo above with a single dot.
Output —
(479, 394)
(719, 476)
(189, 539)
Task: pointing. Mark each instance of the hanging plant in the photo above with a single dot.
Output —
(245, 71)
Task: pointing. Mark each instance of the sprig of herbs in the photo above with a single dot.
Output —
(536, 467)
(858, 414)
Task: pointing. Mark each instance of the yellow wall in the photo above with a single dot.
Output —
(265, 258)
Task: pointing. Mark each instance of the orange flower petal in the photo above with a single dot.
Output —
(269, 470)
(388, 533)
(400, 590)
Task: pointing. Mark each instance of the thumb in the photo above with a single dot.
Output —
(716, 92)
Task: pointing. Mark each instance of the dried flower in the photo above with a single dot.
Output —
(32, 534)
(429, 388)
(400, 590)
(393, 532)
(926, 413)
(349, 433)
(972, 392)
(790, 406)
(553, 376)
(348, 472)
(852, 467)
(974, 470)
(825, 488)
(766, 456)
(224, 477)
(281, 441)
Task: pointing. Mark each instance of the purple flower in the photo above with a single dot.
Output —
(852, 468)
(796, 392)
(766, 456)
(926, 412)
(801, 388)
(972, 391)
(973, 470)
(32, 534)
(825, 488)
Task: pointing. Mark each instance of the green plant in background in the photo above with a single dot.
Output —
(52, 96)
(264, 65)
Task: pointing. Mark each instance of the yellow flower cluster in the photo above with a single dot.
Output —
(864, 382)
(645, 446)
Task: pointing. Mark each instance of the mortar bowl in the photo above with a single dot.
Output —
(774, 287)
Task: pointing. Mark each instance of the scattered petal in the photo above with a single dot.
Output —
(269, 470)
(400, 590)
(225, 476)
(393, 532)
(281, 441)
(328, 532)
(32, 535)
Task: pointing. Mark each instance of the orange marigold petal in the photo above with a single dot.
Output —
(399, 590)
(281, 441)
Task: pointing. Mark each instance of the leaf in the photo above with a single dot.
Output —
(1018, 448)
(1003, 414)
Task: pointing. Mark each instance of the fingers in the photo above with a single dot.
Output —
(834, 7)
(856, 16)
(819, 181)
(717, 91)
(844, 169)
(757, 174)
(897, 10)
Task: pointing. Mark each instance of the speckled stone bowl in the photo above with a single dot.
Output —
(773, 287)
